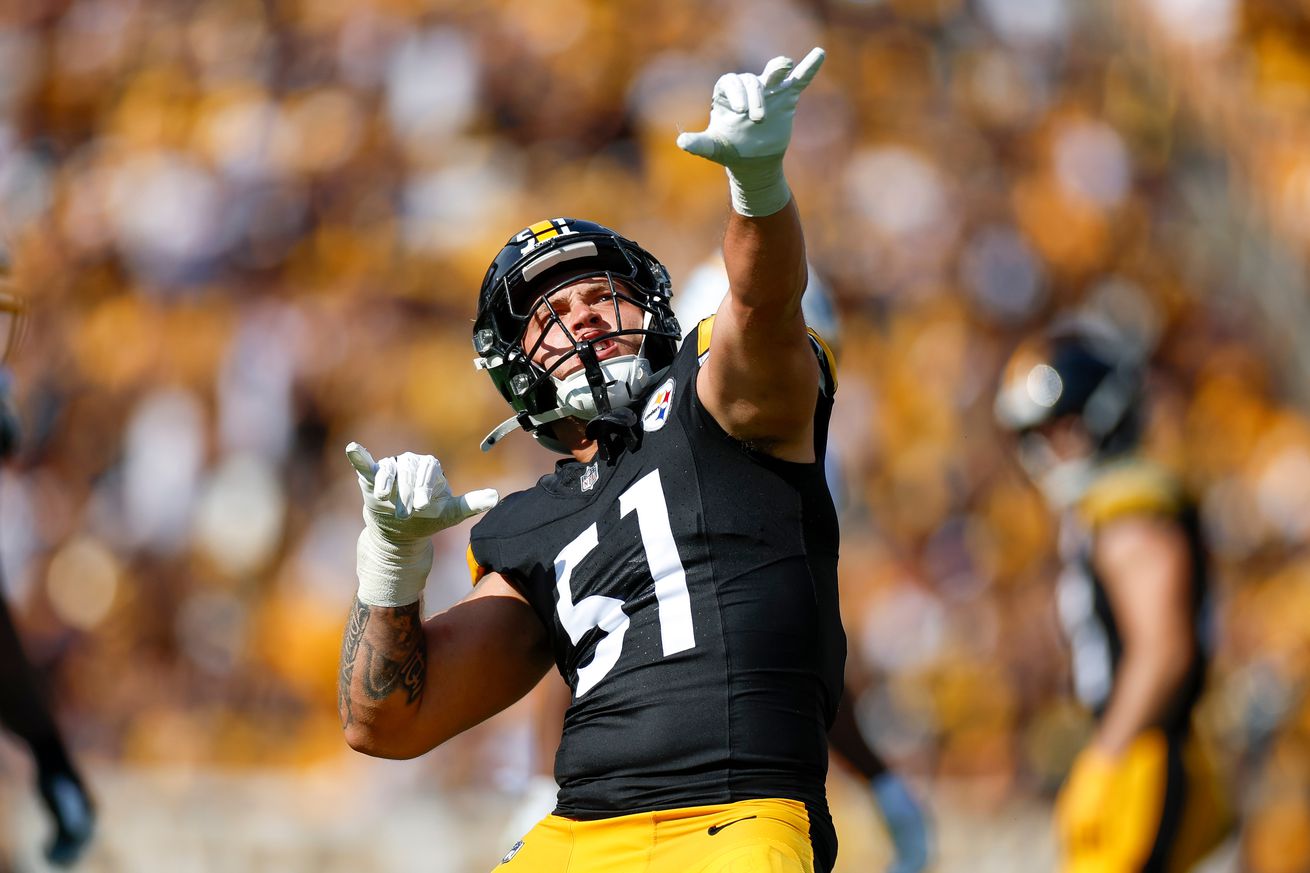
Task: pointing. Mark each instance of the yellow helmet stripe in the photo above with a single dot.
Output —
(544, 229)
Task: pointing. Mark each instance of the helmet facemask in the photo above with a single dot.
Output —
(597, 386)
(517, 297)
(1062, 479)
(1070, 381)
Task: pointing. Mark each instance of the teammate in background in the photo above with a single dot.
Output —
(1142, 796)
(678, 566)
(24, 710)
(697, 299)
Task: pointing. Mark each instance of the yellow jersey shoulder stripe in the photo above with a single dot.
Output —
(476, 570)
(826, 358)
(827, 361)
(1131, 488)
(704, 331)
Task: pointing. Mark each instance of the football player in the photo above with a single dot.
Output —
(699, 298)
(1142, 795)
(24, 709)
(679, 564)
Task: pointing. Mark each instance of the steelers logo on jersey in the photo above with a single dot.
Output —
(658, 408)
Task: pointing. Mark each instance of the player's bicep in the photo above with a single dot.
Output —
(1145, 566)
(761, 378)
(485, 652)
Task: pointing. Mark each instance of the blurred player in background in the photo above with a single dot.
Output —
(1142, 795)
(24, 710)
(679, 566)
(697, 299)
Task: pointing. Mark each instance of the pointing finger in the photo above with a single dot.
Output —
(362, 461)
(807, 68)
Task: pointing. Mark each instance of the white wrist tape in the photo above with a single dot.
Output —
(758, 190)
(391, 573)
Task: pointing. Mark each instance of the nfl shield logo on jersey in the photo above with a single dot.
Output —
(658, 408)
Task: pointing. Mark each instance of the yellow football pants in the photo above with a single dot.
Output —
(751, 836)
(1158, 808)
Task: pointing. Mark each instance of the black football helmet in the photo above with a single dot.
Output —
(534, 264)
(1080, 369)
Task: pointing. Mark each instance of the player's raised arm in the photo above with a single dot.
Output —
(762, 378)
(405, 684)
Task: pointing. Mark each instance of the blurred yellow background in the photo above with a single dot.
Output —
(250, 232)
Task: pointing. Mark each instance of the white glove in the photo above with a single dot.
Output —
(906, 823)
(406, 501)
(750, 128)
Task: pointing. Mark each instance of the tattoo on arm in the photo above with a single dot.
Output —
(398, 657)
(389, 647)
(355, 625)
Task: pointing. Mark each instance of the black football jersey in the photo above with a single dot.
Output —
(689, 588)
(1127, 487)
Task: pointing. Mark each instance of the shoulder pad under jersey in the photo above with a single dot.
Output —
(1133, 487)
(827, 361)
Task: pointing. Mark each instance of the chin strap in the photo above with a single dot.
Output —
(610, 426)
(600, 394)
(613, 428)
(614, 431)
(522, 420)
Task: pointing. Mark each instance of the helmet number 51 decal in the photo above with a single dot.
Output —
(646, 498)
(536, 234)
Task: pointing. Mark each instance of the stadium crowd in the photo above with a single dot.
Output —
(252, 232)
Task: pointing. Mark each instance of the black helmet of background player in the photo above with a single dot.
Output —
(534, 264)
(1073, 398)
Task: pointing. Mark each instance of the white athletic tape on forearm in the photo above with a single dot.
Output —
(758, 191)
(391, 573)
